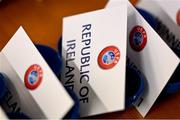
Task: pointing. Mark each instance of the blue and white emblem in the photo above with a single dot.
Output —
(33, 76)
(109, 57)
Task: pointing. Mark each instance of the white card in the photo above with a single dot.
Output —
(170, 28)
(154, 58)
(171, 7)
(151, 55)
(2, 115)
(34, 88)
(102, 37)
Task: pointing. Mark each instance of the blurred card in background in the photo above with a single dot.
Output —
(165, 13)
(172, 8)
(151, 55)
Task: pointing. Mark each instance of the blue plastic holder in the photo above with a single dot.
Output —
(134, 85)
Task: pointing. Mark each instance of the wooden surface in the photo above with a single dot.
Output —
(42, 20)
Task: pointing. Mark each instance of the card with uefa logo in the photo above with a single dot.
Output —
(94, 52)
(150, 54)
(165, 19)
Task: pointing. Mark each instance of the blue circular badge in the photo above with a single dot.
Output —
(33, 76)
(109, 57)
(138, 38)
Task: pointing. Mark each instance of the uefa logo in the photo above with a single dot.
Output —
(109, 57)
(138, 38)
(33, 77)
(178, 17)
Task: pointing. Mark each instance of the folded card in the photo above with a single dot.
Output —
(172, 8)
(2, 115)
(166, 13)
(94, 52)
(151, 55)
(32, 88)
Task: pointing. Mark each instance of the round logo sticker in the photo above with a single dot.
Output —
(109, 57)
(178, 17)
(138, 38)
(33, 77)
